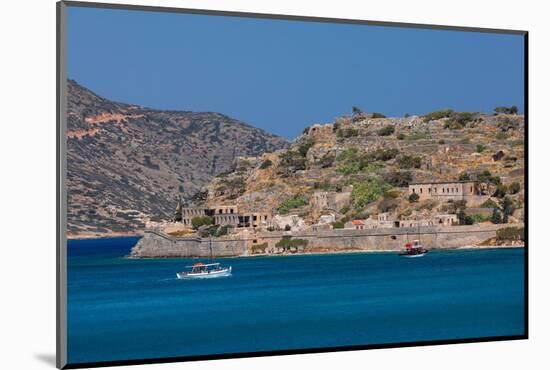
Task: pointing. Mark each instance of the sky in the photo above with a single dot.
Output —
(282, 75)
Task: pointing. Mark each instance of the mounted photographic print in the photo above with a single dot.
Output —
(234, 184)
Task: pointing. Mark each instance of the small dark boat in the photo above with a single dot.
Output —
(414, 249)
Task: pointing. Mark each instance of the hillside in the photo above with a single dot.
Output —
(365, 164)
(127, 163)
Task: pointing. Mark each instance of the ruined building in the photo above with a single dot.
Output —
(225, 215)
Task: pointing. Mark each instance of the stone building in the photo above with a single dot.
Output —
(226, 215)
(437, 220)
(453, 190)
(330, 199)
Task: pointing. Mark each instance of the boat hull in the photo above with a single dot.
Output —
(204, 275)
(412, 255)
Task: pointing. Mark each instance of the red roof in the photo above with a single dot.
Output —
(357, 222)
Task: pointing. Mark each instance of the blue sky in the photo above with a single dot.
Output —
(284, 75)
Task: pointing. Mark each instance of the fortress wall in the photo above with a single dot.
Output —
(155, 244)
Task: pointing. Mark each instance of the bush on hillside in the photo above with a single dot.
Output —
(386, 131)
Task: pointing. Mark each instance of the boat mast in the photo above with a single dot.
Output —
(211, 256)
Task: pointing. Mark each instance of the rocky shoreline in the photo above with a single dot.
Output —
(155, 244)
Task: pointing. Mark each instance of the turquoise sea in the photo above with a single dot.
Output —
(128, 309)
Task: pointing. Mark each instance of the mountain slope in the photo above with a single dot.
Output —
(378, 158)
(127, 163)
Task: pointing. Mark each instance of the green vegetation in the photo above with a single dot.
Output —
(398, 178)
(259, 248)
(503, 212)
(500, 191)
(464, 219)
(432, 116)
(338, 225)
(348, 155)
(489, 203)
(304, 146)
(368, 191)
(514, 188)
(401, 136)
(292, 161)
(480, 218)
(356, 110)
(409, 161)
(458, 120)
(266, 164)
(466, 140)
(413, 198)
(480, 148)
(386, 131)
(347, 132)
(511, 234)
(384, 154)
(378, 115)
(496, 218)
(287, 243)
(199, 221)
(507, 208)
(506, 110)
(354, 161)
(464, 176)
(295, 202)
(486, 176)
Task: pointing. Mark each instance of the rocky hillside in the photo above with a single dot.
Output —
(127, 163)
(374, 159)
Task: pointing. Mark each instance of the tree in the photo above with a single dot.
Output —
(177, 214)
(506, 110)
(266, 164)
(463, 219)
(507, 209)
(413, 198)
(464, 176)
(386, 131)
(356, 110)
(514, 188)
(409, 161)
(199, 221)
(496, 218)
(378, 115)
(501, 190)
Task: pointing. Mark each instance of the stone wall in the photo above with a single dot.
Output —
(155, 244)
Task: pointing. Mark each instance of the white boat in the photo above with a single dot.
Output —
(201, 270)
(414, 250)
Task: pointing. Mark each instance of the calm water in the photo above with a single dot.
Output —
(122, 309)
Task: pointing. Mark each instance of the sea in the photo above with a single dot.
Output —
(122, 309)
